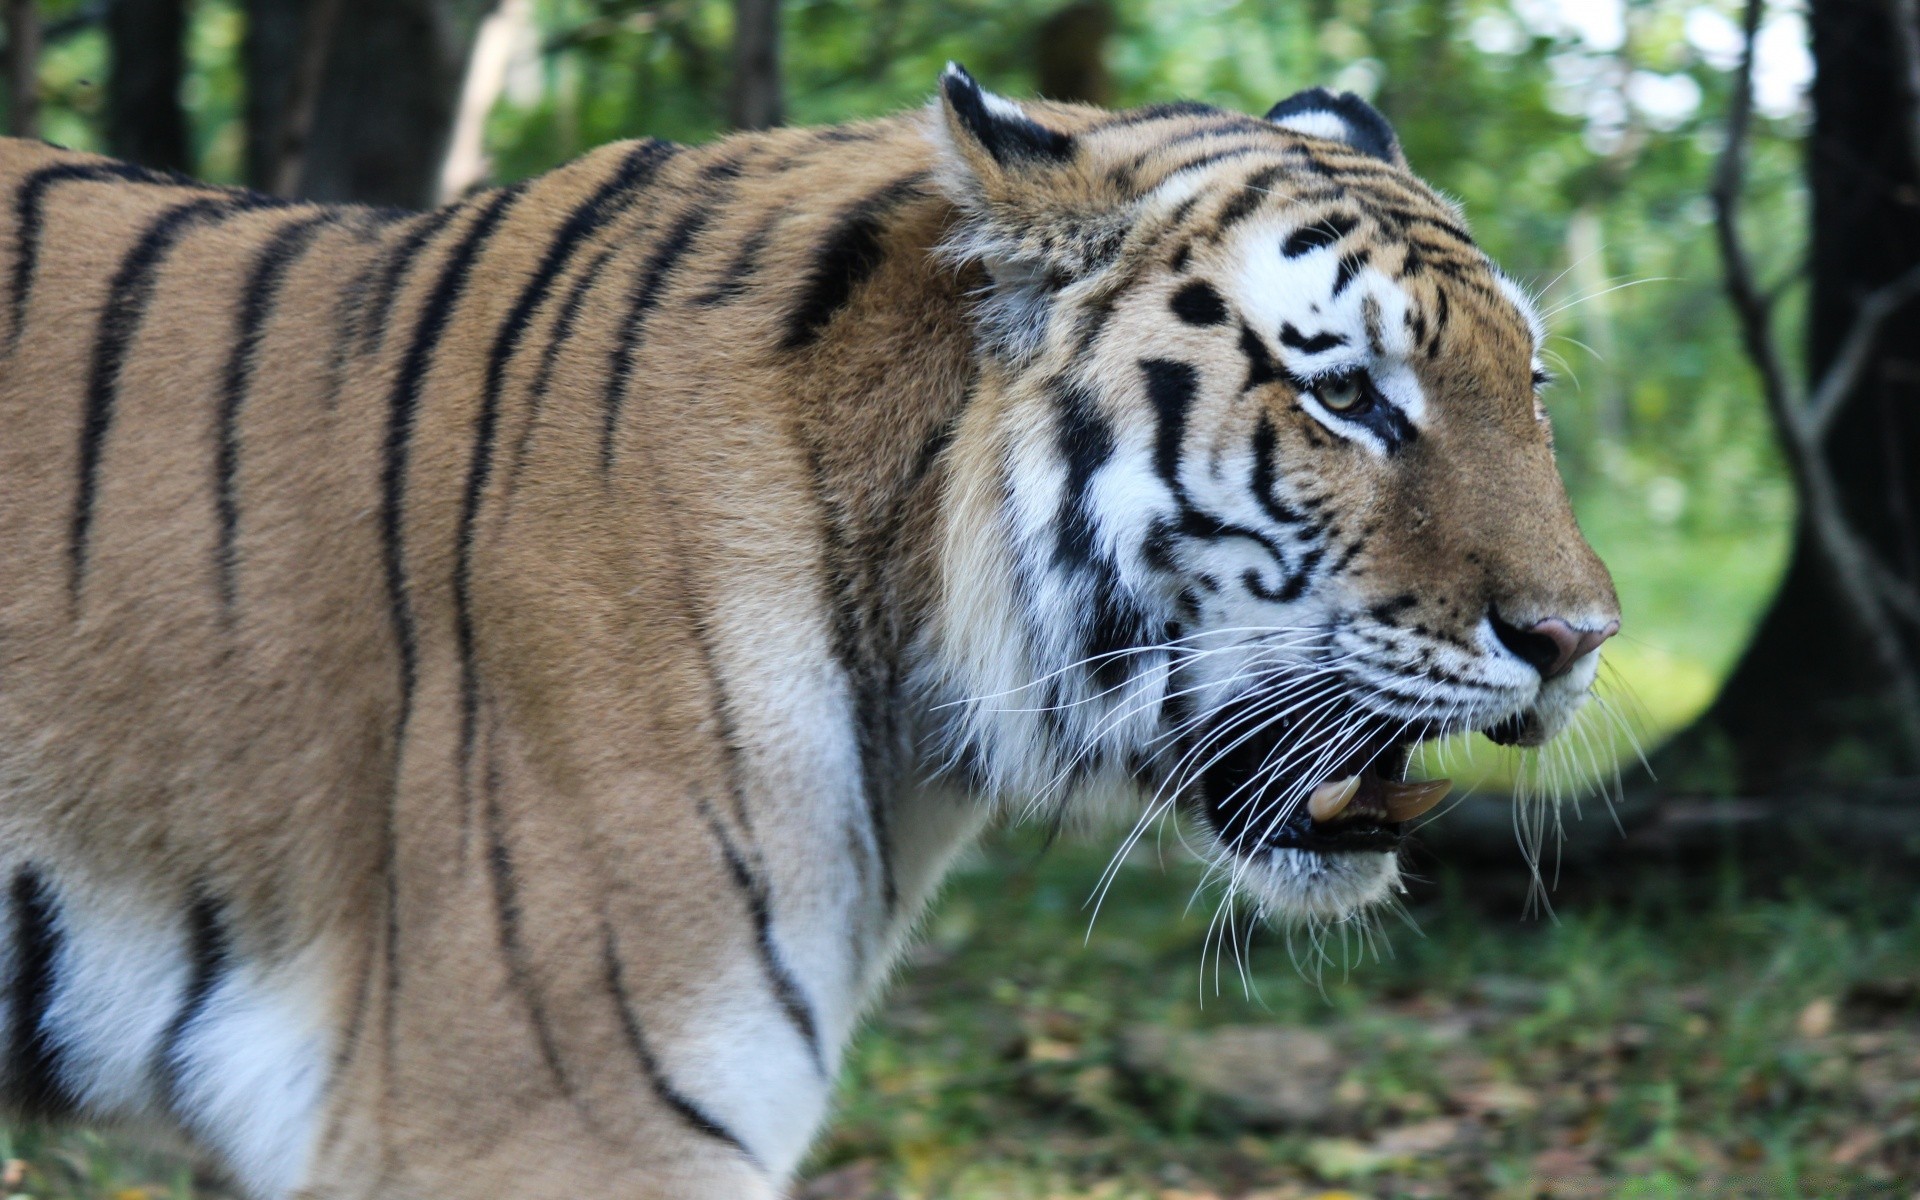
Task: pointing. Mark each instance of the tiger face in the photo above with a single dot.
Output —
(1272, 491)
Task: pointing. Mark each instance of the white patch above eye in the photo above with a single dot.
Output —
(1317, 328)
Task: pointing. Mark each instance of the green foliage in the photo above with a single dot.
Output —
(1705, 1038)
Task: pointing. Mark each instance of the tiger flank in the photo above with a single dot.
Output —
(485, 694)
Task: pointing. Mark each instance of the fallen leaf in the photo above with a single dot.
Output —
(1816, 1019)
(1497, 1097)
(1854, 1147)
(1420, 1138)
(1341, 1158)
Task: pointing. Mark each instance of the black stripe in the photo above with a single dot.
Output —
(847, 257)
(120, 318)
(1261, 367)
(648, 287)
(1265, 460)
(1171, 388)
(1315, 344)
(614, 196)
(1166, 111)
(753, 890)
(663, 1088)
(29, 211)
(733, 280)
(256, 309)
(1198, 303)
(210, 955)
(1319, 235)
(33, 1060)
(1349, 267)
(565, 324)
(839, 560)
(1252, 195)
(403, 411)
(1085, 442)
(373, 321)
(506, 907)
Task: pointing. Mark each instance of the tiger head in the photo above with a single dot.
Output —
(1256, 490)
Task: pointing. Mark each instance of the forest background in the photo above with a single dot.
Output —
(1714, 203)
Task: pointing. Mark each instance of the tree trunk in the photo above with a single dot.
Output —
(755, 101)
(1806, 702)
(388, 89)
(147, 46)
(1071, 50)
(23, 68)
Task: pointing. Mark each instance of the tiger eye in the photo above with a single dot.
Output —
(1343, 393)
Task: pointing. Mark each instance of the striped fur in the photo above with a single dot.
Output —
(485, 693)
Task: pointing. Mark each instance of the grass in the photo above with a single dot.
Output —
(1671, 1038)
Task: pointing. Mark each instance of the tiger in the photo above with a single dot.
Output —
(487, 694)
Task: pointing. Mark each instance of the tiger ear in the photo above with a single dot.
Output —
(1342, 117)
(992, 132)
(1033, 214)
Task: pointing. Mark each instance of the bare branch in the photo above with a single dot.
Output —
(1856, 352)
(1752, 308)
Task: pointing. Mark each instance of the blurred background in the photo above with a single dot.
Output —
(1706, 985)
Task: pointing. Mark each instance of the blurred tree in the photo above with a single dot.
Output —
(283, 34)
(1071, 62)
(384, 109)
(755, 99)
(1828, 685)
(23, 68)
(146, 116)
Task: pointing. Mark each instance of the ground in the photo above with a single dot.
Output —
(1684, 1030)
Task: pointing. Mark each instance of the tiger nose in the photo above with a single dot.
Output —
(1551, 646)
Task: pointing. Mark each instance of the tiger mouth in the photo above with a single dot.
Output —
(1270, 790)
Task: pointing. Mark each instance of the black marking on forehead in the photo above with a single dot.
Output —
(1350, 264)
(1322, 233)
(1316, 344)
(1209, 158)
(1262, 369)
(1166, 111)
(1198, 303)
(1252, 194)
(1181, 254)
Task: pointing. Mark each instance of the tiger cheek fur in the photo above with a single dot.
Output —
(485, 694)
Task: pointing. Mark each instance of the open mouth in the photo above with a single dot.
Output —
(1267, 785)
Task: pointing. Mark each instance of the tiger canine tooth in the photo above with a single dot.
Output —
(1405, 801)
(1331, 797)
